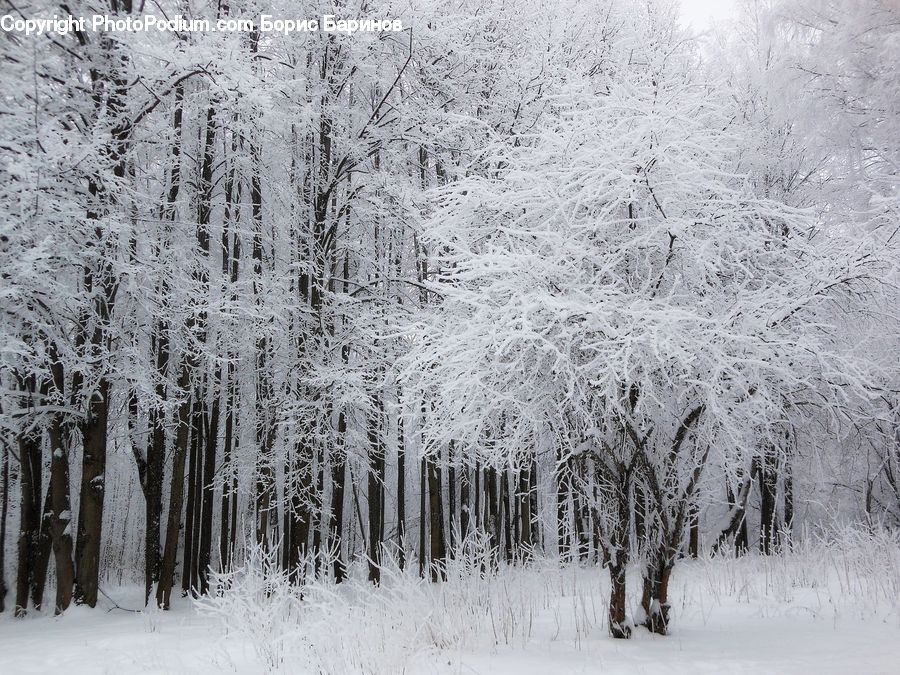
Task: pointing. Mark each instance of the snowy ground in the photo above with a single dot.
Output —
(835, 612)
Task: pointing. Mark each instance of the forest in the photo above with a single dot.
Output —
(307, 332)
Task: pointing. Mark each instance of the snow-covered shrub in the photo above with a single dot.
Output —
(360, 628)
(257, 600)
(846, 570)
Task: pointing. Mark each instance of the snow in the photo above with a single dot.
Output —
(746, 616)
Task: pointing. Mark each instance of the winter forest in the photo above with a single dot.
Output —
(531, 336)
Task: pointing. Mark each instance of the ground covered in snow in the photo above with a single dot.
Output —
(825, 609)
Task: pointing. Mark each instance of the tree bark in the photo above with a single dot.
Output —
(191, 520)
(618, 626)
(464, 515)
(438, 549)
(61, 513)
(176, 491)
(93, 488)
(768, 481)
(401, 494)
(505, 479)
(375, 489)
(694, 536)
(493, 524)
(524, 501)
(451, 500)
(423, 522)
(4, 485)
(30, 462)
(336, 521)
(562, 524)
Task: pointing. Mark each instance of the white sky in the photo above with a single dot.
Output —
(701, 13)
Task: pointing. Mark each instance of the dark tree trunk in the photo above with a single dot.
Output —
(156, 454)
(266, 508)
(401, 495)
(299, 514)
(562, 523)
(231, 253)
(318, 511)
(438, 548)
(616, 550)
(229, 486)
(737, 521)
(336, 524)
(211, 435)
(581, 532)
(768, 481)
(618, 626)
(191, 521)
(464, 504)
(694, 535)
(524, 509)
(493, 512)
(30, 462)
(536, 539)
(375, 490)
(156, 448)
(61, 513)
(423, 522)
(505, 479)
(93, 487)
(451, 500)
(41, 561)
(654, 600)
(176, 491)
(479, 509)
(788, 501)
(4, 485)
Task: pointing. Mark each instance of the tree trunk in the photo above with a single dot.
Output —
(229, 486)
(788, 501)
(505, 479)
(423, 554)
(536, 539)
(336, 522)
(300, 516)
(156, 449)
(154, 472)
(464, 504)
(479, 496)
(401, 495)
(524, 502)
(61, 513)
(191, 519)
(451, 499)
(29, 512)
(93, 487)
(211, 435)
(493, 512)
(654, 600)
(4, 485)
(318, 511)
(737, 521)
(375, 490)
(618, 626)
(768, 480)
(694, 536)
(176, 492)
(562, 524)
(41, 562)
(581, 537)
(438, 548)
